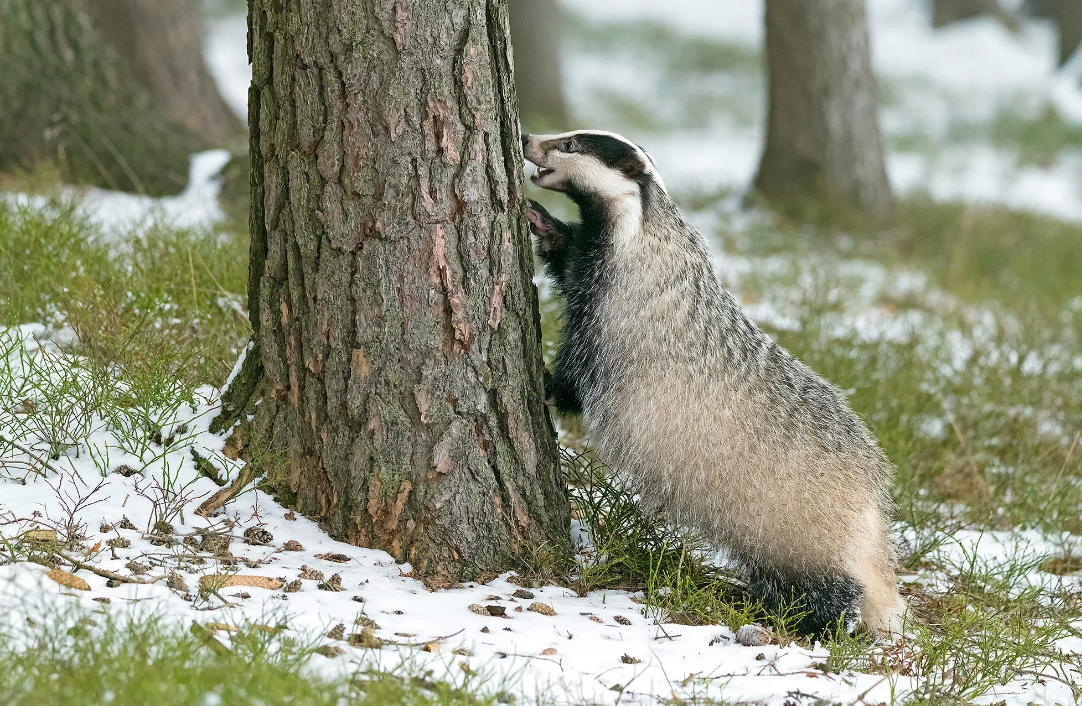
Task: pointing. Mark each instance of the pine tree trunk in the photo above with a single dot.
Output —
(823, 140)
(68, 99)
(535, 34)
(947, 12)
(162, 43)
(1067, 14)
(397, 364)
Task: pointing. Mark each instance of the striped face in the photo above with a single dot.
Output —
(593, 162)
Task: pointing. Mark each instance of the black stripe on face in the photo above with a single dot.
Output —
(613, 153)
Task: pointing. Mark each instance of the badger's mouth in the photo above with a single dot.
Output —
(541, 173)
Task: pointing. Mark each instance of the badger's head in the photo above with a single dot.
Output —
(589, 163)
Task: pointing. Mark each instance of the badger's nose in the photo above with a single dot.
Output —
(525, 140)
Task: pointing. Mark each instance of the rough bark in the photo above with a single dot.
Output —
(823, 141)
(535, 34)
(162, 43)
(68, 99)
(396, 377)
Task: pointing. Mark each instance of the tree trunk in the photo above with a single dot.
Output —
(535, 34)
(1067, 14)
(67, 98)
(946, 12)
(822, 140)
(162, 43)
(396, 359)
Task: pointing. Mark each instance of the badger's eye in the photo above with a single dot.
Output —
(570, 146)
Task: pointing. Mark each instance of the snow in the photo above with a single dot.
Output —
(586, 664)
(590, 635)
(118, 213)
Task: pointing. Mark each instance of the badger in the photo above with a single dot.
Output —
(718, 424)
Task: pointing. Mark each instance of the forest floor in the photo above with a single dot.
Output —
(955, 330)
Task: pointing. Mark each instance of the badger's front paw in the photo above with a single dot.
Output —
(550, 237)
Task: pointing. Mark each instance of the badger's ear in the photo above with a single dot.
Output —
(632, 165)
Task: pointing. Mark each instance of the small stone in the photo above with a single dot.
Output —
(293, 546)
(496, 611)
(136, 568)
(258, 536)
(761, 657)
(518, 609)
(596, 619)
(462, 651)
(118, 542)
(334, 583)
(621, 619)
(175, 582)
(485, 629)
(548, 651)
(338, 632)
(113, 583)
(358, 599)
(127, 472)
(102, 599)
(523, 593)
(293, 586)
(161, 540)
(542, 608)
(243, 595)
(752, 635)
(290, 515)
(479, 609)
(628, 659)
(310, 574)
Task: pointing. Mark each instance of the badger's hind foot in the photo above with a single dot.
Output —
(815, 604)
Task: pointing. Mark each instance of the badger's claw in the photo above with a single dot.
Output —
(550, 237)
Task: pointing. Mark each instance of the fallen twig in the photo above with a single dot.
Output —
(216, 501)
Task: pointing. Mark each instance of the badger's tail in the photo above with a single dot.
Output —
(816, 603)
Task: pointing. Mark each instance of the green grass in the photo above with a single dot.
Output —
(93, 658)
(702, 79)
(165, 299)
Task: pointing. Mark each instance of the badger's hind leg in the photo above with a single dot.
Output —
(824, 601)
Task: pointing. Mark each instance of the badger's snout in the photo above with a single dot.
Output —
(533, 151)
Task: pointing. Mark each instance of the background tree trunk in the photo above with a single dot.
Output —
(946, 12)
(822, 140)
(162, 43)
(535, 34)
(397, 354)
(1067, 16)
(67, 98)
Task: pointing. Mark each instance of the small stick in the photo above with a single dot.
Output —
(32, 455)
(216, 501)
(104, 573)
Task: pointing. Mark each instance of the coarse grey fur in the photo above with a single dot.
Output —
(720, 425)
